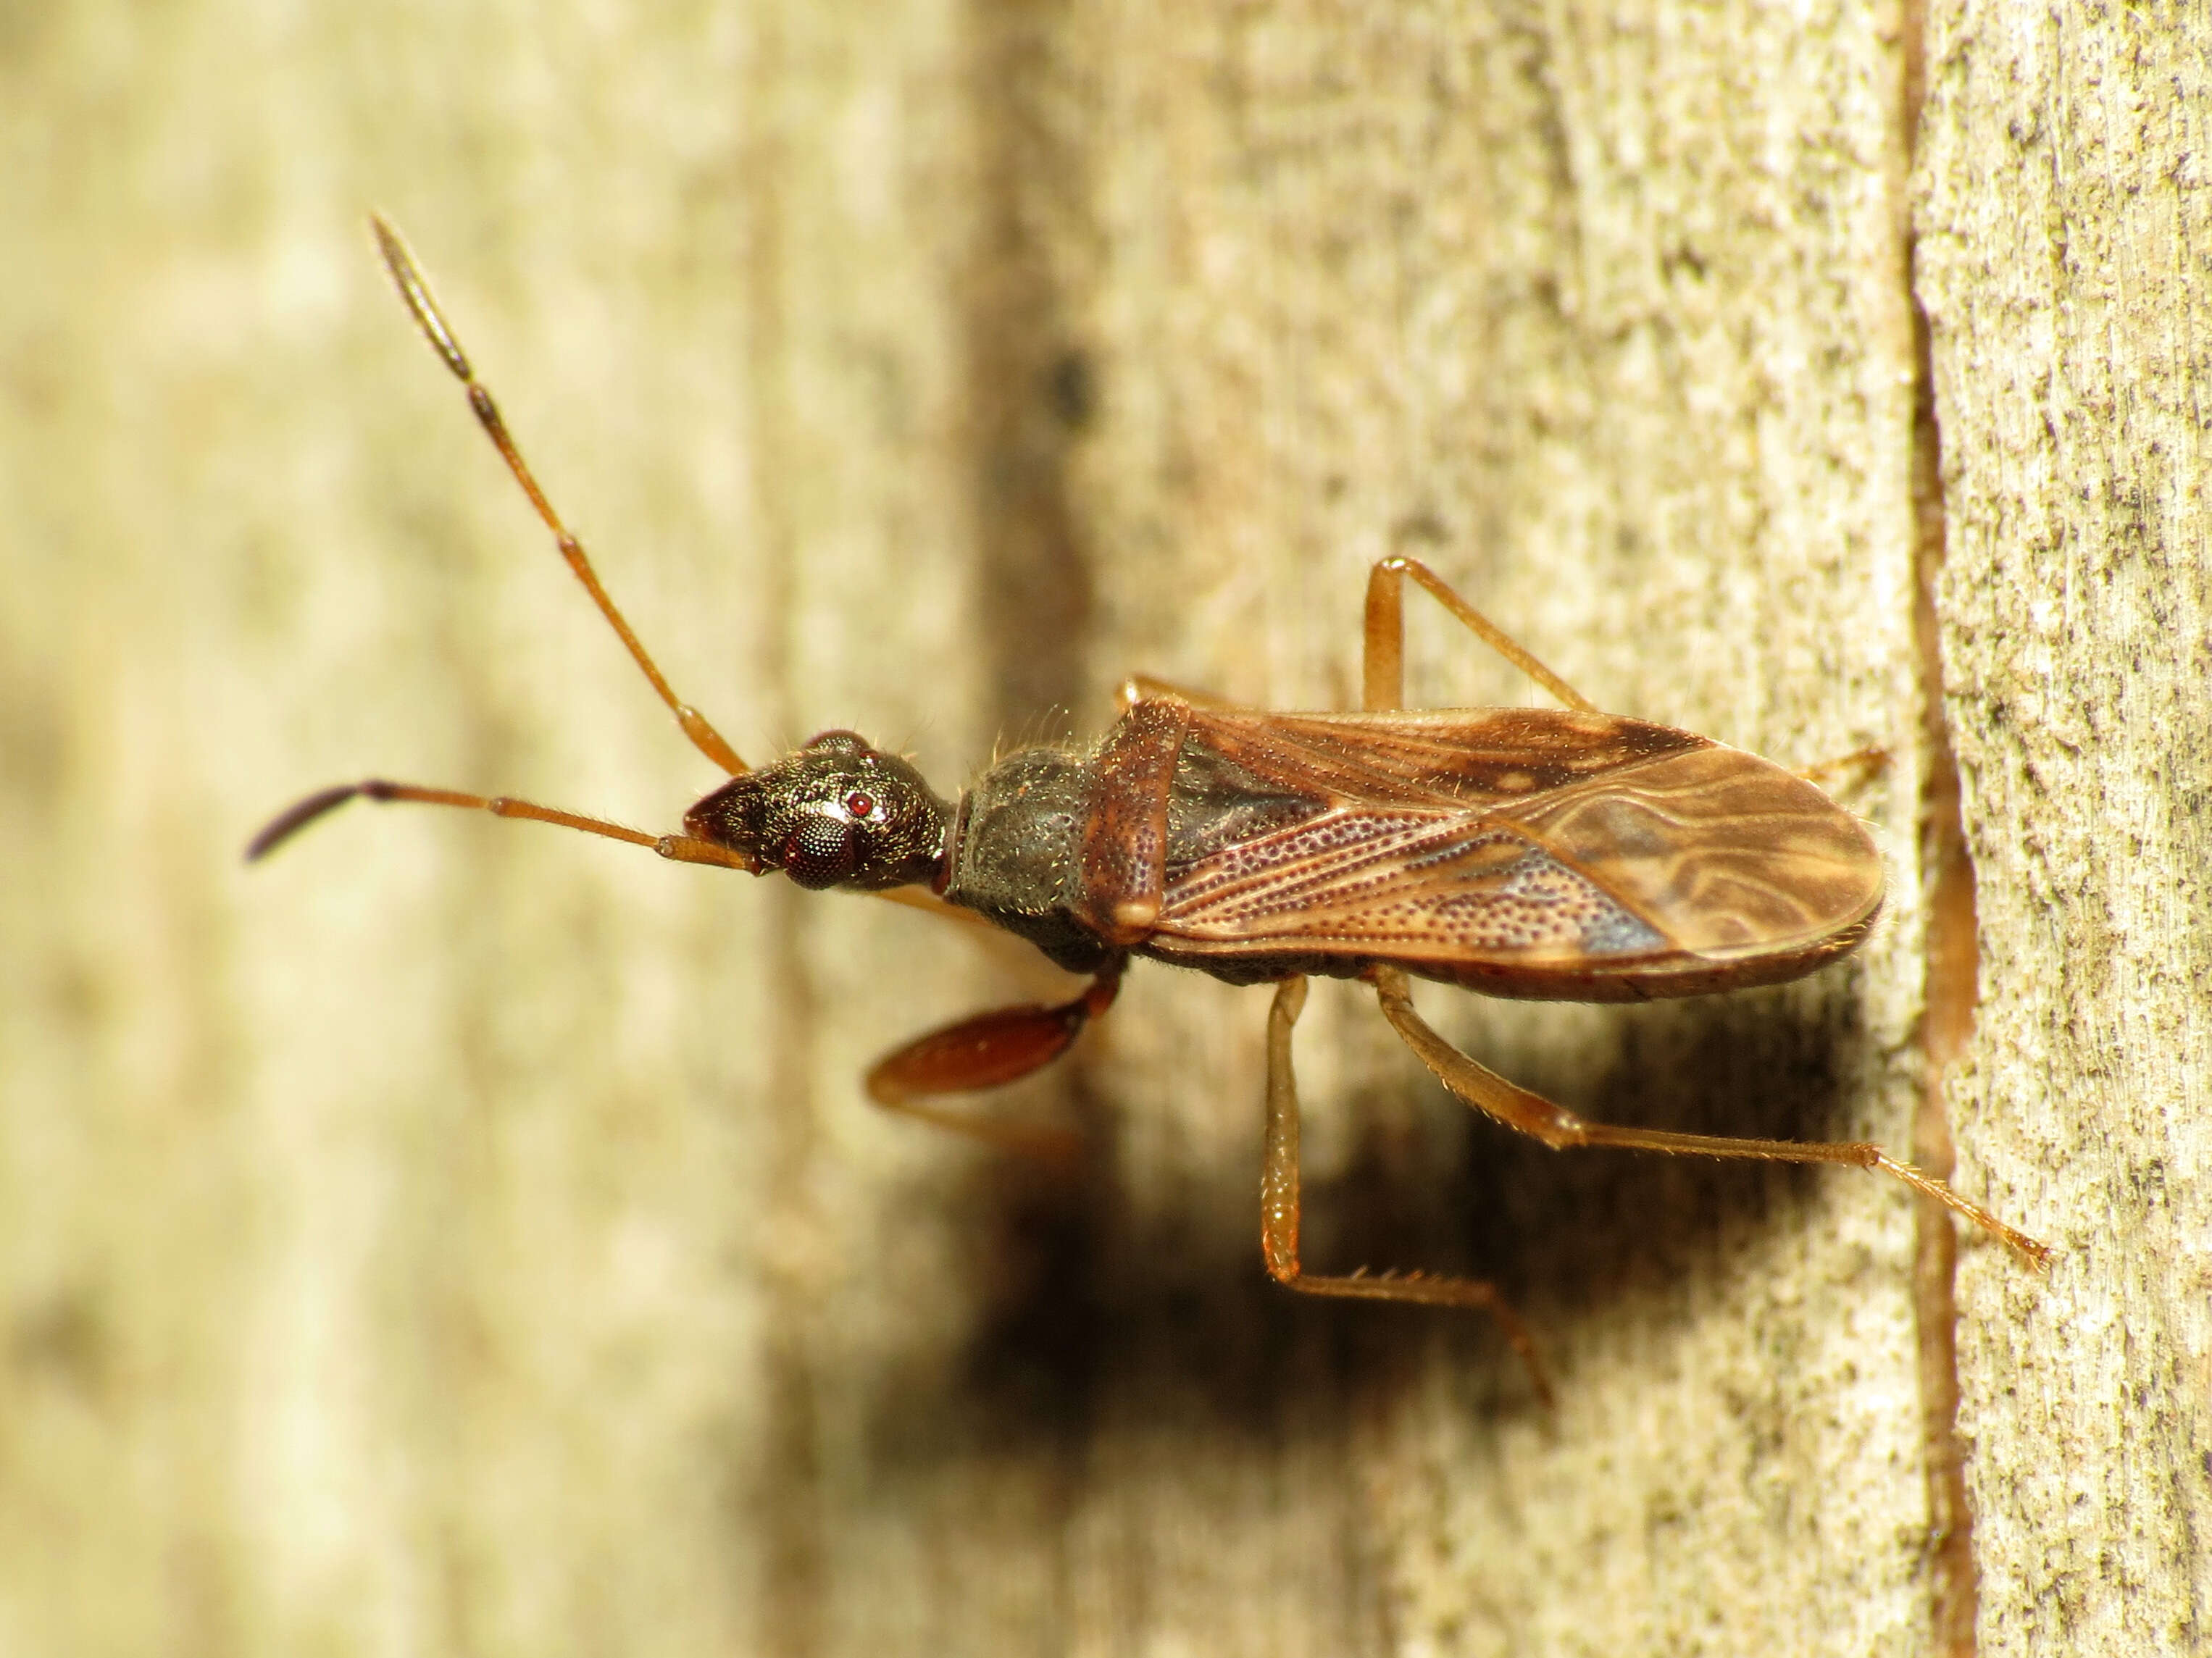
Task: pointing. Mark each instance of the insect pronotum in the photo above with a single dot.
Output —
(1553, 855)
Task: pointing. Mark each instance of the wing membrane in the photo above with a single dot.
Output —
(1514, 836)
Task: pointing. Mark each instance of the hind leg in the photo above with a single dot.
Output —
(1558, 1127)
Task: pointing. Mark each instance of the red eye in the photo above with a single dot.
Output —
(859, 803)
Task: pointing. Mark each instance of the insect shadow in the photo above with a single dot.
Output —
(1581, 1232)
(1080, 1305)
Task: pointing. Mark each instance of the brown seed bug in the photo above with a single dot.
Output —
(1549, 854)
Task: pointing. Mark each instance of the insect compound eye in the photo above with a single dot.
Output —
(821, 852)
(859, 803)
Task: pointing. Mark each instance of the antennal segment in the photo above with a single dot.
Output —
(416, 291)
(682, 848)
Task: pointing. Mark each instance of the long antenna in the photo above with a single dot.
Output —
(416, 291)
(683, 848)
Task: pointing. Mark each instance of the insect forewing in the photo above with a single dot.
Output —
(1559, 848)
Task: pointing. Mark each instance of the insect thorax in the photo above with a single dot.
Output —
(1015, 850)
(1012, 855)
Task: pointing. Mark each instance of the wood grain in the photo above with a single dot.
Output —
(2064, 243)
(460, 1237)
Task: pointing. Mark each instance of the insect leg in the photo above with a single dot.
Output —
(416, 291)
(919, 898)
(1278, 1209)
(1863, 764)
(1143, 687)
(989, 1051)
(1384, 678)
(1558, 1127)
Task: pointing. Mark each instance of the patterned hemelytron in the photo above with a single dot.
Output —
(1577, 847)
(1401, 882)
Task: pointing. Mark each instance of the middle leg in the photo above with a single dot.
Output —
(1279, 1210)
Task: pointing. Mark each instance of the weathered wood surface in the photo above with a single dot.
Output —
(455, 1237)
(2065, 236)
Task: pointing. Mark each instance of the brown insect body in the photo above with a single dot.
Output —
(1535, 853)
(1564, 854)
